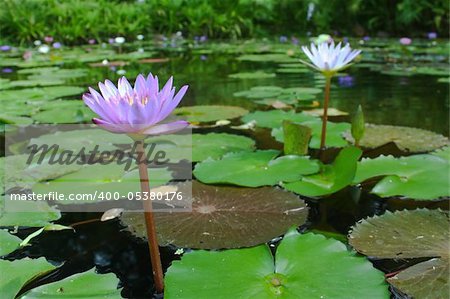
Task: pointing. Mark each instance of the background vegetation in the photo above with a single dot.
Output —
(76, 21)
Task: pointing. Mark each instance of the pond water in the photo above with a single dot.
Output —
(416, 101)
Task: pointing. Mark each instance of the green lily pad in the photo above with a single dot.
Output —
(332, 178)
(305, 266)
(8, 242)
(199, 147)
(98, 179)
(254, 169)
(200, 113)
(291, 70)
(33, 82)
(444, 80)
(274, 118)
(407, 139)
(40, 94)
(419, 233)
(75, 286)
(41, 216)
(19, 272)
(419, 177)
(260, 92)
(252, 75)
(64, 112)
(334, 137)
(224, 217)
(279, 58)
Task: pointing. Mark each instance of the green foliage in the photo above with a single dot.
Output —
(76, 21)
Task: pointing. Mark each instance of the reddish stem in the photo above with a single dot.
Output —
(158, 276)
(325, 113)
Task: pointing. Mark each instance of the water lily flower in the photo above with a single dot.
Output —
(44, 49)
(328, 58)
(283, 39)
(111, 40)
(119, 40)
(57, 45)
(432, 35)
(120, 72)
(7, 70)
(37, 43)
(136, 111)
(346, 81)
(203, 38)
(48, 39)
(140, 37)
(92, 41)
(5, 48)
(405, 41)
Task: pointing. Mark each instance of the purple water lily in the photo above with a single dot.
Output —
(405, 41)
(432, 35)
(57, 45)
(138, 110)
(92, 41)
(48, 39)
(5, 48)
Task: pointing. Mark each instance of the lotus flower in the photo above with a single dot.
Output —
(405, 41)
(136, 111)
(328, 58)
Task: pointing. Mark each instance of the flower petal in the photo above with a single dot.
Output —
(166, 128)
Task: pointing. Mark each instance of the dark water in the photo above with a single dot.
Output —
(417, 101)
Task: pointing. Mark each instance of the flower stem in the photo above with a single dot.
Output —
(158, 276)
(325, 112)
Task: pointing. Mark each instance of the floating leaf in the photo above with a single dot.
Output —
(410, 234)
(335, 132)
(98, 179)
(40, 94)
(20, 272)
(274, 118)
(305, 266)
(63, 112)
(198, 147)
(260, 92)
(254, 169)
(75, 286)
(225, 217)
(332, 178)
(8, 242)
(209, 113)
(407, 139)
(418, 177)
(252, 75)
(280, 58)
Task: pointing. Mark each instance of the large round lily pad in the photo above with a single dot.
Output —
(40, 94)
(274, 118)
(225, 217)
(63, 112)
(8, 242)
(199, 114)
(198, 147)
(254, 169)
(410, 234)
(423, 177)
(407, 139)
(304, 266)
(101, 179)
(75, 286)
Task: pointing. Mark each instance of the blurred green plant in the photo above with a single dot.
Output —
(77, 21)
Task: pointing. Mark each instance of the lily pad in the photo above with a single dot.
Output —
(332, 178)
(274, 118)
(407, 139)
(410, 234)
(98, 179)
(199, 114)
(63, 112)
(40, 94)
(252, 75)
(20, 272)
(419, 177)
(335, 132)
(42, 214)
(274, 57)
(75, 286)
(198, 147)
(304, 266)
(254, 169)
(225, 217)
(8, 242)
(260, 92)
